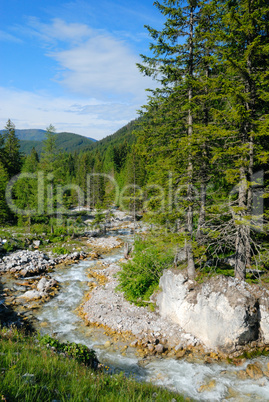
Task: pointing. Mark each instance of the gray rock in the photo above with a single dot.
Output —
(151, 347)
(221, 313)
(44, 285)
(31, 295)
(36, 243)
(159, 348)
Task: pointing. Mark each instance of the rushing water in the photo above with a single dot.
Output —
(59, 316)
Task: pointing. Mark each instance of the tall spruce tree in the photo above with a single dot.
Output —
(11, 151)
(244, 52)
(48, 155)
(175, 64)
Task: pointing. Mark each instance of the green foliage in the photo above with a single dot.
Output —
(33, 372)
(59, 230)
(60, 250)
(140, 276)
(4, 212)
(56, 239)
(40, 228)
(99, 219)
(13, 245)
(48, 155)
(9, 247)
(11, 150)
(79, 352)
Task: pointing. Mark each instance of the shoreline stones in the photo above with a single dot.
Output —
(37, 290)
(31, 263)
(104, 244)
(155, 334)
(146, 330)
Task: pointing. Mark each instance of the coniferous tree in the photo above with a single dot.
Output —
(243, 50)
(174, 65)
(4, 211)
(11, 151)
(48, 155)
(26, 189)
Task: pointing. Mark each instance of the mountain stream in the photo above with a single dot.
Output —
(197, 380)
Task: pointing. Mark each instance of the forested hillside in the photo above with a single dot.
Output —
(33, 138)
(67, 142)
(196, 161)
(81, 173)
(38, 134)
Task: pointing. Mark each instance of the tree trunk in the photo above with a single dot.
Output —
(249, 201)
(201, 220)
(189, 250)
(242, 238)
(240, 259)
(127, 250)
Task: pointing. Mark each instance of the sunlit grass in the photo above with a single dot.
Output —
(32, 372)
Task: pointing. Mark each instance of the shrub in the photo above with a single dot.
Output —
(140, 276)
(60, 250)
(60, 230)
(39, 228)
(9, 247)
(79, 352)
(12, 245)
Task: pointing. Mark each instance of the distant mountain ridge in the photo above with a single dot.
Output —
(36, 134)
(70, 142)
(30, 134)
(67, 142)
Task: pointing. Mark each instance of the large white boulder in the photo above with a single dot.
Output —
(221, 313)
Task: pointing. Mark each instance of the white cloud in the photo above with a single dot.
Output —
(58, 30)
(92, 117)
(98, 71)
(7, 37)
(91, 62)
(103, 65)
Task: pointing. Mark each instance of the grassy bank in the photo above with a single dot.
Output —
(30, 371)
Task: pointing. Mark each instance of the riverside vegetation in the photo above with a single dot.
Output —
(194, 164)
(34, 368)
(195, 161)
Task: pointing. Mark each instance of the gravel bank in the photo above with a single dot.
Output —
(107, 307)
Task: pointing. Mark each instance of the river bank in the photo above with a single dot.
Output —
(147, 330)
(148, 353)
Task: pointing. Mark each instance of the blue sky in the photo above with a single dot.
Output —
(72, 63)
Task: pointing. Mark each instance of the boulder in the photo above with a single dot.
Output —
(222, 312)
(264, 311)
(151, 347)
(254, 371)
(159, 348)
(31, 295)
(44, 285)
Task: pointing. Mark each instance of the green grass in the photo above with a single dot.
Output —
(140, 276)
(30, 371)
(208, 272)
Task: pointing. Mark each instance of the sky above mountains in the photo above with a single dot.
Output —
(73, 63)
